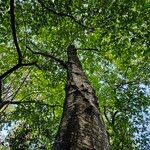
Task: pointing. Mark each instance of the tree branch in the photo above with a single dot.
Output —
(5, 92)
(0, 90)
(105, 114)
(12, 102)
(121, 84)
(25, 102)
(61, 14)
(10, 71)
(113, 117)
(15, 68)
(61, 62)
(91, 49)
(3, 103)
(20, 86)
(28, 64)
(13, 27)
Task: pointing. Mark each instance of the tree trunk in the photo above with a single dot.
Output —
(81, 125)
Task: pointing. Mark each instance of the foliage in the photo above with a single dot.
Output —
(119, 70)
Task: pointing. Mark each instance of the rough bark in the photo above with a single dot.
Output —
(81, 126)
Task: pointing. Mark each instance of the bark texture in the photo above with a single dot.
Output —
(81, 126)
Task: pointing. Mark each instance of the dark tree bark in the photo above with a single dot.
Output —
(81, 126)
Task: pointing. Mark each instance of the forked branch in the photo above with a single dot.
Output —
(20, 58)
(14, 68)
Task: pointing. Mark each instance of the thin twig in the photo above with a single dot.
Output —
(91, 49)
(113, 117)
(105, 114)
(121, 84)
(25, 102)
(0, 91)
(5, 92)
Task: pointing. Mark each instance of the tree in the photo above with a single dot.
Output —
(35, 36)
(81, 126)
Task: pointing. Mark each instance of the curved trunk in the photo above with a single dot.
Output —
(81, 126)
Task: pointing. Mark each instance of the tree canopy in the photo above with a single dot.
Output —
(34, 36)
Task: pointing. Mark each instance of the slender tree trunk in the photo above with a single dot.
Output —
(81, 126)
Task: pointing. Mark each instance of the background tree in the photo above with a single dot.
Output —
(119, 70)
